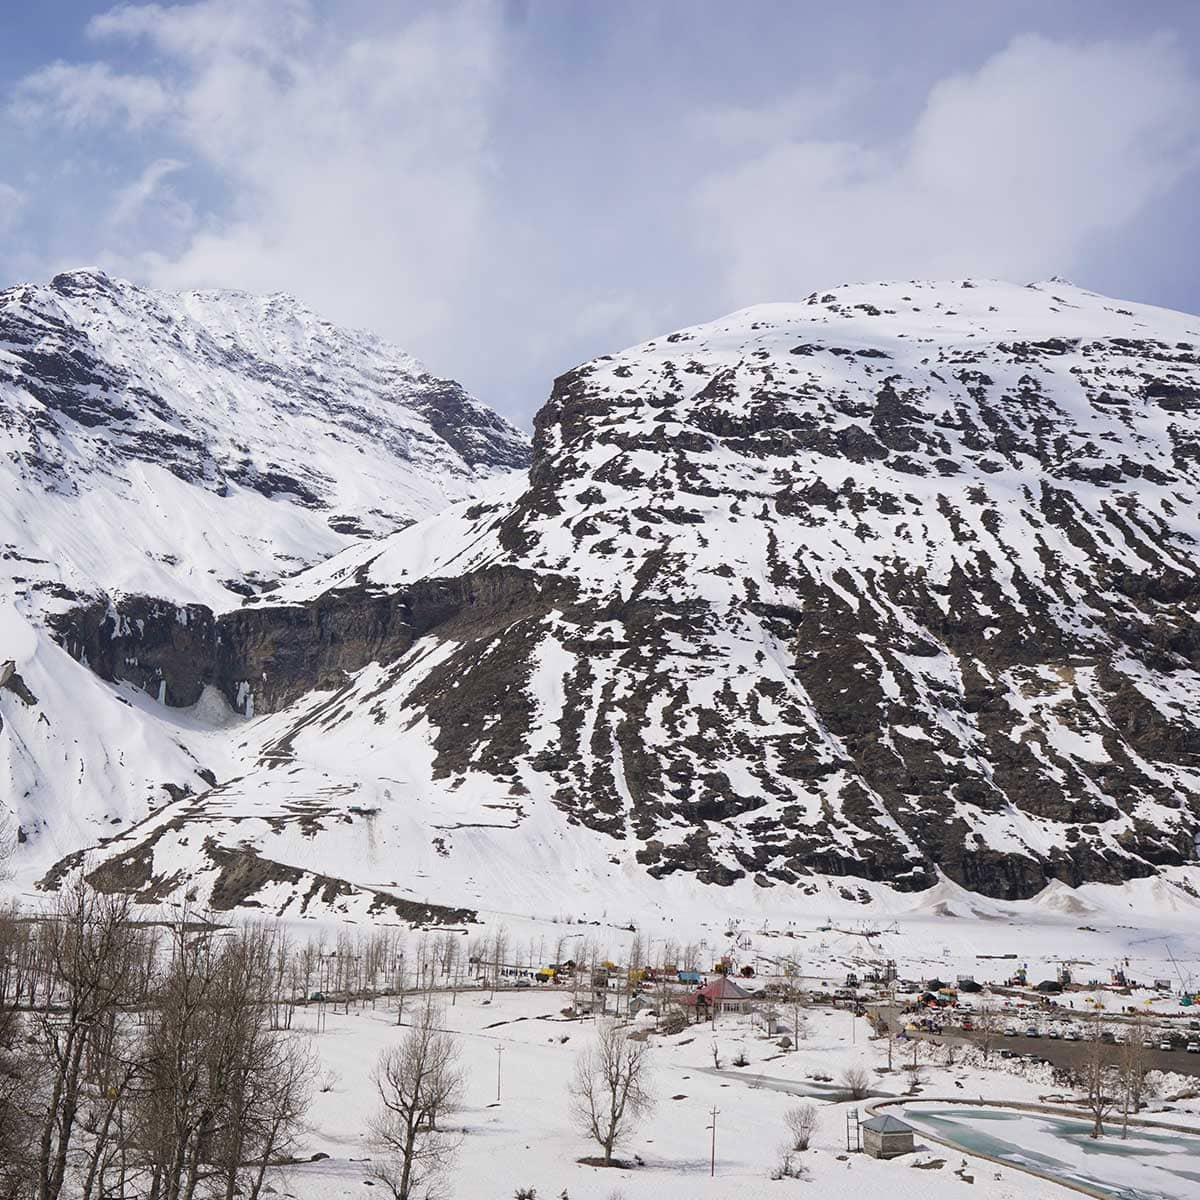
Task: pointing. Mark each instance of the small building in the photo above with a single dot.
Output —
(722, 995)
(727, 996)
(642, 1004)
(886, 1137)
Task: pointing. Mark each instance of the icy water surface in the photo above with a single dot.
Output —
(1150, 1165)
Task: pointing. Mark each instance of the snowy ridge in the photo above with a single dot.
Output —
(191, 447)
(890, 589)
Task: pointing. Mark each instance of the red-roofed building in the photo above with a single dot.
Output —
(722, 995)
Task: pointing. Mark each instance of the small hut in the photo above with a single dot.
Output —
(642, 1004)
(886, 1137)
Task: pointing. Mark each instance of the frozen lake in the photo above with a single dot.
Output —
(1149, 1165)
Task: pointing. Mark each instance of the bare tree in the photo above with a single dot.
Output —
(1097, 1076)
(499, 952)
(8, 844)
(91, 946)
(17, 1125)
(800, 1120)
(1133, 1068)
(796, 1017)
(223, 1092)
(610, 1088)
(913, 1068)
(857, 1082)
(988, 1025)
(419, 1082)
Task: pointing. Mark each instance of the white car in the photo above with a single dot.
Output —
(1052, 1032)
(1166, 1045)
(1193, 1047)
(1072, 1035)
(1010, 1031)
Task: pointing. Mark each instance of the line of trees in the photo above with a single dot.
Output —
(138, 1061)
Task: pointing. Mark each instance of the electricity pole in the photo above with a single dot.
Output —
(499, 1052)
(712, 1167)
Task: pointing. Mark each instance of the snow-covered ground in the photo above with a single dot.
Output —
(527, 1140)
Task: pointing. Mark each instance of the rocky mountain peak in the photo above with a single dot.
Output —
(175, 415)
(891, 585)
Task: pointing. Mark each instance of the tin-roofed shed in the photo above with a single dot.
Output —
(886, 1137)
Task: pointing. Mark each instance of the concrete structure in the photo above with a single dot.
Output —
(886, 1137)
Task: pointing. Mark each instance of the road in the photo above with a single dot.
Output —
(1063, 1053)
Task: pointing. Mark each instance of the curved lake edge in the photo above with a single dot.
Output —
(875, 1107)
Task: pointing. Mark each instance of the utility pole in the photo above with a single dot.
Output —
(499, 1052)
(401, 980)
(712, 1167)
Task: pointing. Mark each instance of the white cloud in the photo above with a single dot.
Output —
(800, 113)
(90, 94)
(355, 167)
(1011, 170)
(132, 199)
(433, 177)
(259, 27)
(12, 201)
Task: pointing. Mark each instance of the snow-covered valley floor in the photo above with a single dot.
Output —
(527, 1140)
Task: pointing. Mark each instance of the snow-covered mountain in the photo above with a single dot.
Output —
(196, 445)
(893, 585)
(195, 448)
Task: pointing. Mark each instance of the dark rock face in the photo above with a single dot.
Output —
(894, 585)
(869, 612)
(263, 659)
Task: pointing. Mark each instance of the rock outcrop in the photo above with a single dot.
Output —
(893, 585)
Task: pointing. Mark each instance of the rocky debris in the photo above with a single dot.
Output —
(11, 681)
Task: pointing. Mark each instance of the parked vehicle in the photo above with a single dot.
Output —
(1193, 1047)
(1073, 1035)
(1166, 1045)
(1033, 1031)
(1010, 1031)
(1052, 1032)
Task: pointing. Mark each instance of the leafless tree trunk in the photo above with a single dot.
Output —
(419, 1082)
(610, 1089)
(18, 1085)
(1134, 1071)
(988, 1024)
(797, 1017)
(92, 947)
(499, 951)
(1097, 1076)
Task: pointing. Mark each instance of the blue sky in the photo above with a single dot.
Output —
(506, 189)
